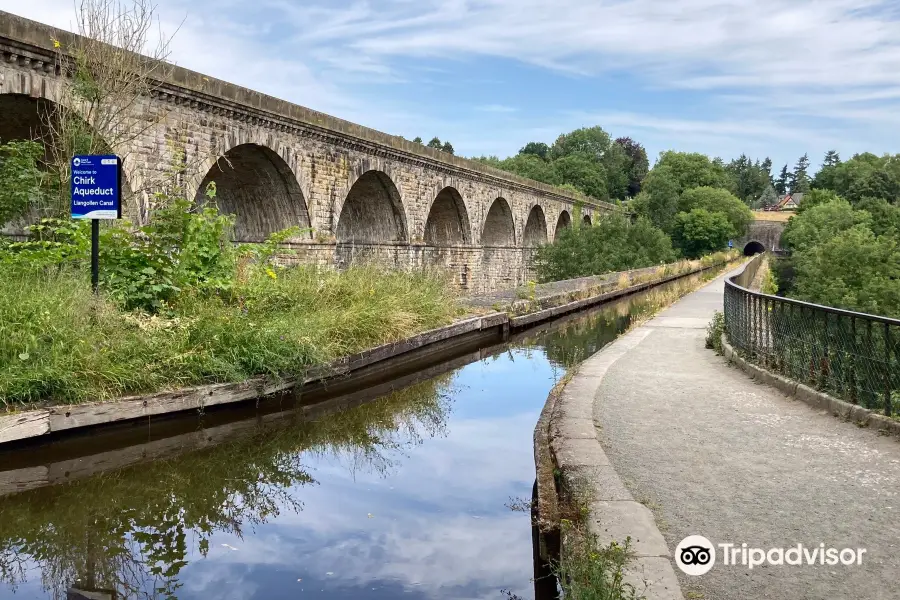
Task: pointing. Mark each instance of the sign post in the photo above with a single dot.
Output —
(96, 194)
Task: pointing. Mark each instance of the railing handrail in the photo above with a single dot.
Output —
(812, 305)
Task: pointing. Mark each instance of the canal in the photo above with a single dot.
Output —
(416, 487)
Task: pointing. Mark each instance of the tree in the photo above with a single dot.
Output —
(853, 269)
(767, 169)
(885, 216)
(821, 222)
(20, 179)
(589, 141)
(660, 188)
(717, 200)
(749, 179)
(700, 232)
(691, 169)
(447, 147)
(864, 175)
(768, 198)
(781, 184)
(612, 244)
(435, 143)
(799, 178)
(582, 172)
(617, 164)
(816, 197)
(539, 149)
(530, 166)
(638, 166)
(417, 140)
(832, 159)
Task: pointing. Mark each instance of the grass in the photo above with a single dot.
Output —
(774, 215)
(60, 344)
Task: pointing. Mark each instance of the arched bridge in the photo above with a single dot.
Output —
(358, 192)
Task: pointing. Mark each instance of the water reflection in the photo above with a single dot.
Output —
(403, 495)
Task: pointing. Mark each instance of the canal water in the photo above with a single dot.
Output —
(417, 488)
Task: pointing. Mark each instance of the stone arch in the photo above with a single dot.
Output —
(499, 228)
(372, 211)
(24, 117)
(259, 188)
(563, 222)
(753, 247)
(586, 220)
(535, 232)
(448, 220)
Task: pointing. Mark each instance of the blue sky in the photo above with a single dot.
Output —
(763, 77)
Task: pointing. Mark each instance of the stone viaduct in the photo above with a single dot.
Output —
(359, 194)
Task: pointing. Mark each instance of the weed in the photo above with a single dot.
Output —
(714, 331)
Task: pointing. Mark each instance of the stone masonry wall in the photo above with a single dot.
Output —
(277, 165)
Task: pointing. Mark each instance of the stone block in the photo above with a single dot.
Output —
(617, 521)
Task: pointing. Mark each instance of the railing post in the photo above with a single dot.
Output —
(887, 370)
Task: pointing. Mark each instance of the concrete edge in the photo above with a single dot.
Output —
(863, 417)
(613, 514)
(22, 425)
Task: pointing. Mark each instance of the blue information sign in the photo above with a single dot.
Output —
(96, 192)
(730, 244)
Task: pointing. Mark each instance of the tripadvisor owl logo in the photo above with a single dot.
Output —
(695, 555)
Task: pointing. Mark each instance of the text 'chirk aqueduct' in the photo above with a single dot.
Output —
(361, 194)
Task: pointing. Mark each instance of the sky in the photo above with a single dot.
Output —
(763, 77)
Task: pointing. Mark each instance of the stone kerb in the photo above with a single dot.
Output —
(613, 514)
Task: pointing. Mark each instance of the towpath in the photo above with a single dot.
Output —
(714, 453)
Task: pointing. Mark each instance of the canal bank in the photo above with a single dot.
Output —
(535, 305)
(404, 487)
(674, 442)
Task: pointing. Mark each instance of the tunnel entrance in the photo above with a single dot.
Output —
(753, 248)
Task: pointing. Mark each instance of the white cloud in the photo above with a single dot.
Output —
(818, 70)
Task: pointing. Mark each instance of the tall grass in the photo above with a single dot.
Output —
(59, 343)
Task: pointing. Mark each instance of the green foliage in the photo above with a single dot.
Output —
(662, 196)
(845, 256)
(799, 180)
(60, 343)
(718, 200)
(20, 178)
(447, 147)
(815, 197)
(691, 170)
(539, 149)
(612, 244)
(700, 231)
(863, 176)
(582, 172)
(853, 269)
(587, 571)
(637, 167)
(592, 142)
(750, 179)
(435, 143)
(530, 166)
(714, 331)
(885, 216)
(820, 223)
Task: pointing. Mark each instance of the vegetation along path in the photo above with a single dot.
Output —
(714, 453)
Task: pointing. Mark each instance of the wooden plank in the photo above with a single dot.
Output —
(20, 480)
(23, 425)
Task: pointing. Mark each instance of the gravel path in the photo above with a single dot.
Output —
(713, 453)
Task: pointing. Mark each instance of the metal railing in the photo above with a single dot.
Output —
(853, 356)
